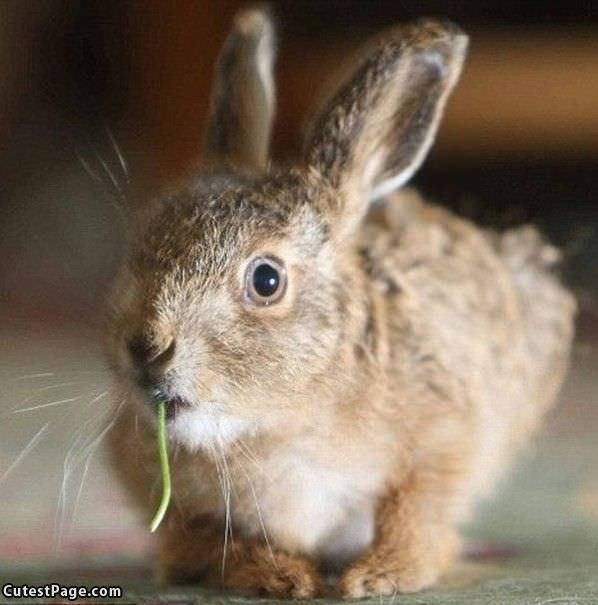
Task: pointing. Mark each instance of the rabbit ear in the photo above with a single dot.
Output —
(242, 104)
(375, 131)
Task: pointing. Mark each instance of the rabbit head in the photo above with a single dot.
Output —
(242, 300)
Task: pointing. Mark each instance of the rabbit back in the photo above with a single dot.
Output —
(487, 307)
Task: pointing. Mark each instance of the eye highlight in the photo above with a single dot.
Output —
(265, 280)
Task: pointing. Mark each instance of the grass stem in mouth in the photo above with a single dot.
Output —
(164, 467)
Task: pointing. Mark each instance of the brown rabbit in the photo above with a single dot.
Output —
(347, 368)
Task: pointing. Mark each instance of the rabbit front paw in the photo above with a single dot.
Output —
(275, 575)
(384, 576)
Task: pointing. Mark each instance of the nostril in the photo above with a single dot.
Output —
(166, 354)
(144, 353)
(141, 350)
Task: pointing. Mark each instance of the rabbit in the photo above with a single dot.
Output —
(347, 367)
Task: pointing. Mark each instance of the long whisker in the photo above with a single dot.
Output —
(251, 457)
(88, 453)
(111, 176)
(46, 405)
(218, 469)
(259, 514)
(90, 172)
(69, 467)
(61, 374)
(222, 482)
(57, 386)
(228, 529)
(112, 188)
(61, 512)
(25, 451)
(38, 375)
(99, 397)
(119, 154)
(57, 402)
(23, 407)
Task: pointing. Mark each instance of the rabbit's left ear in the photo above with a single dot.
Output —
(242, 103)
(376, 129)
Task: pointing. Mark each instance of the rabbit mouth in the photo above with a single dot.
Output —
(174, 403)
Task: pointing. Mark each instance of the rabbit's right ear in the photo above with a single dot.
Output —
(375, 130)
(242, 103)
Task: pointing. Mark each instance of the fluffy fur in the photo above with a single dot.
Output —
(353, 424)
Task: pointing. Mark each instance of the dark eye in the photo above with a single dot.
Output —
(265, 280)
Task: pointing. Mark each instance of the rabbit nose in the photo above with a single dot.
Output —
(149, 360)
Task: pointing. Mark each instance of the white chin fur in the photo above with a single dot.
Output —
(207, 427)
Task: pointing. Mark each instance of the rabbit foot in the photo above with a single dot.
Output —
(376, 576)
(280, 575)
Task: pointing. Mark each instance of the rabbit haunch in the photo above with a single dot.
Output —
(356, 417)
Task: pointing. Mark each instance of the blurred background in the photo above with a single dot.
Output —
(103, 101)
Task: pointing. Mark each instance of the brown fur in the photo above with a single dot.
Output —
(243, 101)
(353, 424)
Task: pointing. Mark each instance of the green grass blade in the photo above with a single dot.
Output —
(164, 467)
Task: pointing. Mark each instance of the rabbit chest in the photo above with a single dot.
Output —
(307, 505)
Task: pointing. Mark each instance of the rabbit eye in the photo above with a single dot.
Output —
(265, 280)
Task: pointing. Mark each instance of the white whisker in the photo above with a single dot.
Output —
(259, 515)
(98, 397)
(90, 172)
(26, 450)
(111, 187)
(67, 469)
(228, 529)
(88, 454)
(119, 154)
(223, 488)
(38, 375)
(250, 456)
(111, 176)
(70, 465)
(46, 405)
(58, 386)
